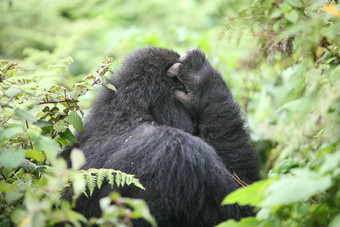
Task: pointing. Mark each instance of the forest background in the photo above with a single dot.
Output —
(279, 57)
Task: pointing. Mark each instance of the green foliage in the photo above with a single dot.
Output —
(96, 177)
(299, 103)
(35, 121)
(280, 59)
(119, 211)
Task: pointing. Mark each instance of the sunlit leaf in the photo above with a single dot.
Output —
(295, 188)
(36, 155)
(75, 120)
(250, 195)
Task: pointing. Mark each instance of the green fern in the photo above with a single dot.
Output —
(95, 177)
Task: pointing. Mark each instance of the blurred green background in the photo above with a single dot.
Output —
(281, 59)
(42, 32)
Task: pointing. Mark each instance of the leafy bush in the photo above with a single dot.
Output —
(296, 109)
(37, 119)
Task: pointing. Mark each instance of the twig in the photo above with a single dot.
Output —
(59, 101)
(238, 180)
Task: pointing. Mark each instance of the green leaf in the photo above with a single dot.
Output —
(244, 222)
(276, 13)
(140, 210)
(41, 123)
(13, 196)
(24, 115)
(11, 159)
(32, 202)
(296, 3)
(296, 188)
(79, 184)
(13, 91)
(49, 146)
(36, 155)
(292, 16)
(111, 87)
(6, 187)
(69, 136)
(335, 222)
(77, 158)
(11, 132)
(250, 195)
(33, 133)
(331, 162)
(75, 120)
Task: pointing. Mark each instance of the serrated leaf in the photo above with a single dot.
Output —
(77, 158)
(24, 115)
(75, 120)
(69, 136)
(11, 159)
(36, 155)
(292, 16)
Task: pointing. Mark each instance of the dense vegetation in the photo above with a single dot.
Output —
(280, 58)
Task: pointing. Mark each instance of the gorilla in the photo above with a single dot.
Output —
(172, 122)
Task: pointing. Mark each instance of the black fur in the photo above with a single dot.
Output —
(182, 154)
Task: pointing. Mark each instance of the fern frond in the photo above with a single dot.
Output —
(110, 178)
(97, 177)
(100, 178)
(118, 179)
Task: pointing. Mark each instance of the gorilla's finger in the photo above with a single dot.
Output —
(173, 70)
(183, 97)
(183, 57)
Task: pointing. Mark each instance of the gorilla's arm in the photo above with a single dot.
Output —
(217, 116)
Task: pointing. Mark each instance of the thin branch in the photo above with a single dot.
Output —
(5, 121)
(59, 101)
(237, 179)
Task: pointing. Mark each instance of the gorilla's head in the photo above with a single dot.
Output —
(144, 88)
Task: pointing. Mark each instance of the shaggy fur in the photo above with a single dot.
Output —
(183, 155)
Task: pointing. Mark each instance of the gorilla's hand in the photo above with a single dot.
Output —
(194, 71)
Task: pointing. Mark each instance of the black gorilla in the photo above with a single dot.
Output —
(174, 124)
